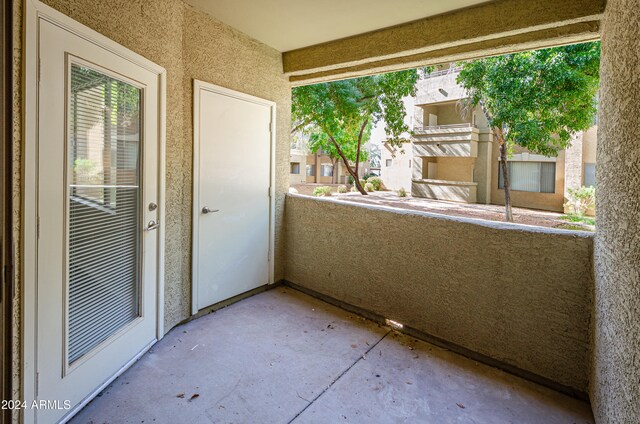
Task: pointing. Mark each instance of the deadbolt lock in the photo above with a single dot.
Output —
(152, 207)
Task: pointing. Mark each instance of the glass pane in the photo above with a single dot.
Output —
(589, 175)
(547, 177)
(311, 170)
(538, 177)
(524, 176)
(326, 170)
(103, 195)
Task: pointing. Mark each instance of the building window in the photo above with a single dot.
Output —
(589, 177)
(295, 168)
(326, 170)
(311, 170)
(388, 162)
(537, 177)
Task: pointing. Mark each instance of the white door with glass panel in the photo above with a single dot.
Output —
(97, 249)
(233, 203)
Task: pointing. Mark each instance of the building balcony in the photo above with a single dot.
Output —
(456, 140)
(456, 191)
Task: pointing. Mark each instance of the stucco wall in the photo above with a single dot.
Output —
(615, 390)
(189, 44)
(398, 175)
(453, 279)
(590, 144)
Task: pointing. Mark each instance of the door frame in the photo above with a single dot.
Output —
(34, 11)
(6, 194)
(197, 87)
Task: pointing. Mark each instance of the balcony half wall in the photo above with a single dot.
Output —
(520, 295)
(455, 191)
(458, 140)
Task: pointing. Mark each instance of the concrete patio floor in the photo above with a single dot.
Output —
(282, 357)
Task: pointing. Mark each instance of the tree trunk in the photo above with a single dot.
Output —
(334, 163)
(505, 174)
(356, 180)
(362, 127)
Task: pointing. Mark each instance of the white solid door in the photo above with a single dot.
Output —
(232, 193)
(97, 250)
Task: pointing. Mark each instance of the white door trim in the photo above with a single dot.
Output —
(34, 11)
(197, 87)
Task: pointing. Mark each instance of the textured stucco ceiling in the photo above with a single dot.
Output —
(291, 24)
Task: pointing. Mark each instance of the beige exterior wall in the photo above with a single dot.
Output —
(590, 145)
(446, 277)
(189, 44)
(398, 175)
(482, 168)
(318, 160)
(582, 152)
(341, 175)
(301, 159)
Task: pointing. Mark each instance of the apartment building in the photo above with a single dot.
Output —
(306, 167)
(452, 155)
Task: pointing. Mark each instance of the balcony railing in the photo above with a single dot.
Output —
(447, 126)
(453, 70)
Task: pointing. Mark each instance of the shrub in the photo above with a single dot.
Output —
(342, 189)
(376, 182)
(402, 192)
(354, 189)
(350, 179)
(581, 199)
(322, 191)
(368, 175)
(368, 187)
(363, 182)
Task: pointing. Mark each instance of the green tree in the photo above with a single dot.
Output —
(340, 114)
(536, 99)
(319, 141)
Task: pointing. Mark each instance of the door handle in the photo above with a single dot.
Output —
(152, 225)
(206, 210)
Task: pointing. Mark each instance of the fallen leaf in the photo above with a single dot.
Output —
(193, 396)
(353, 346)
(460, 405)
(408, 382)
(180, 395)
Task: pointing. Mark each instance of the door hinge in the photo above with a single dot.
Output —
(269, 191)
(270, 126)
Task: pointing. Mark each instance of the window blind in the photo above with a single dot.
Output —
(537, 177)
(103, 199)
(311, 170)
(326, 170)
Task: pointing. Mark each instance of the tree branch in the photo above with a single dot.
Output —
(356, 181)
(364, 124)
(301, 125)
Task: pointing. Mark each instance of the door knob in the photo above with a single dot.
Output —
(206, 210)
